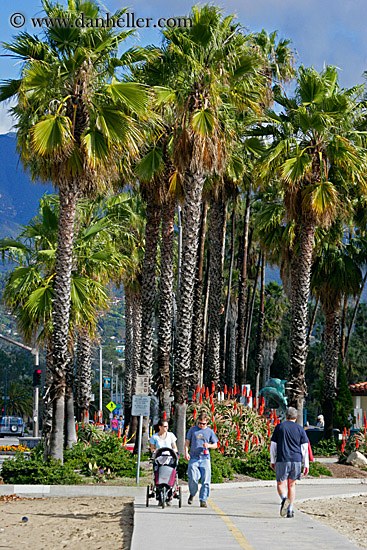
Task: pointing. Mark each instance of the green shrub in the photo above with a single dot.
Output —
(325, 447)
(317, 469)
(257, 466)
(34, 470)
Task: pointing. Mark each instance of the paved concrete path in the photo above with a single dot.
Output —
(239, 517)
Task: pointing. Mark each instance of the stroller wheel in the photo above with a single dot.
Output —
(179, 497)
(163, 497)
(148, 495)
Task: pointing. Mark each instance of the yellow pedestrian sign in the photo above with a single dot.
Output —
(111, 406)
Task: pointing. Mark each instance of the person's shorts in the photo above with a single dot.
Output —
(288, 470)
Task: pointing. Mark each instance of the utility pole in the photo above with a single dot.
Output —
(6, 388)
(100, 380)
(111, 381)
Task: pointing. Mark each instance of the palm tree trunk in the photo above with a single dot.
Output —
(204, 353)
(197, 326)
(312, 323)
(129, 354)
(330, 367)
(250, 314)
(70, 431)
(191, 222)
(224, 368)
(260, 328)
(343, 327)
(165, 307)
(47, 404)
(137, 313)
(217, 233)
(231, 377)
(153, 218)
(61, 311)
(242, 293)
(350, 327)
(83, 373)
(296, 387)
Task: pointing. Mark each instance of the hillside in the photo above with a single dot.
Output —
(18, 195)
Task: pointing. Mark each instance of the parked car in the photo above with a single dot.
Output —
(11, 425)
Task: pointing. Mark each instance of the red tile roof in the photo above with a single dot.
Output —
(360, 388)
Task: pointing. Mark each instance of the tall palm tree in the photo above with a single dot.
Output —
(213, 46)
(313, 133)
(74, 124)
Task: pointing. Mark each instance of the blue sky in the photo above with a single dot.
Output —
(322, 31)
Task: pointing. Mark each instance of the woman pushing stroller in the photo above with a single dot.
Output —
(165, 459)
(163, 438)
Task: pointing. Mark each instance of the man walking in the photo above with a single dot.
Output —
(289, 444)
(200, 439)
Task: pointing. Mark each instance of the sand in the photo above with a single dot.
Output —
(73, 523)
(100, 523)
(348, 515)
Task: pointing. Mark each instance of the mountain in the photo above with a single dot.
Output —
(19, 197)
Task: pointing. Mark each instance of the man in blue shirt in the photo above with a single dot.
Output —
(289, 444)
(200, 439)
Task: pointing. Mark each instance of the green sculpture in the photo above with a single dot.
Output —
(274, 394)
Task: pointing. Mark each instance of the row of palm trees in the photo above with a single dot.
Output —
(192, 124)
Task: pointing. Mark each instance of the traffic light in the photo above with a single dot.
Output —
(37, 377)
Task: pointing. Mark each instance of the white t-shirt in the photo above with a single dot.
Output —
(168, 441)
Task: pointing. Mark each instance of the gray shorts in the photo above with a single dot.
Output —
(288, 470)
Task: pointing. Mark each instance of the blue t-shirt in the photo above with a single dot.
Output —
(289, 437)
(197, 438)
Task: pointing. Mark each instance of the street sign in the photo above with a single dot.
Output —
(111, 406)
(142, 385)
(106, 382)
(141, 405)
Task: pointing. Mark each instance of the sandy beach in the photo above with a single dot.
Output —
(73, 523)
(347, 515)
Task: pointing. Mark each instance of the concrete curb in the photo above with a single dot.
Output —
(118, 491)
(345, 495)
(72, 491)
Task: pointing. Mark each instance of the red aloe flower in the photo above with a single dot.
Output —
(211, 399)
(213, 387)
(194, 396)
(235, 405)
(164, 415)
(221, 449)
(246, 446)
(207, 394)
(225, 389)
(213, 407)
(357, 444)
(195, 414)
(215, 431)
(226, 443)
(201, 399)
(198, 389)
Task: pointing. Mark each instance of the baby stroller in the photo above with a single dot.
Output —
(165, 480)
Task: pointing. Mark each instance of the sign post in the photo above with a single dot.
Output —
(140, 408)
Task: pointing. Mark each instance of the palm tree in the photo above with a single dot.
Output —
(74, 124)
(312, 133)
(212, 46)
(334, 273)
